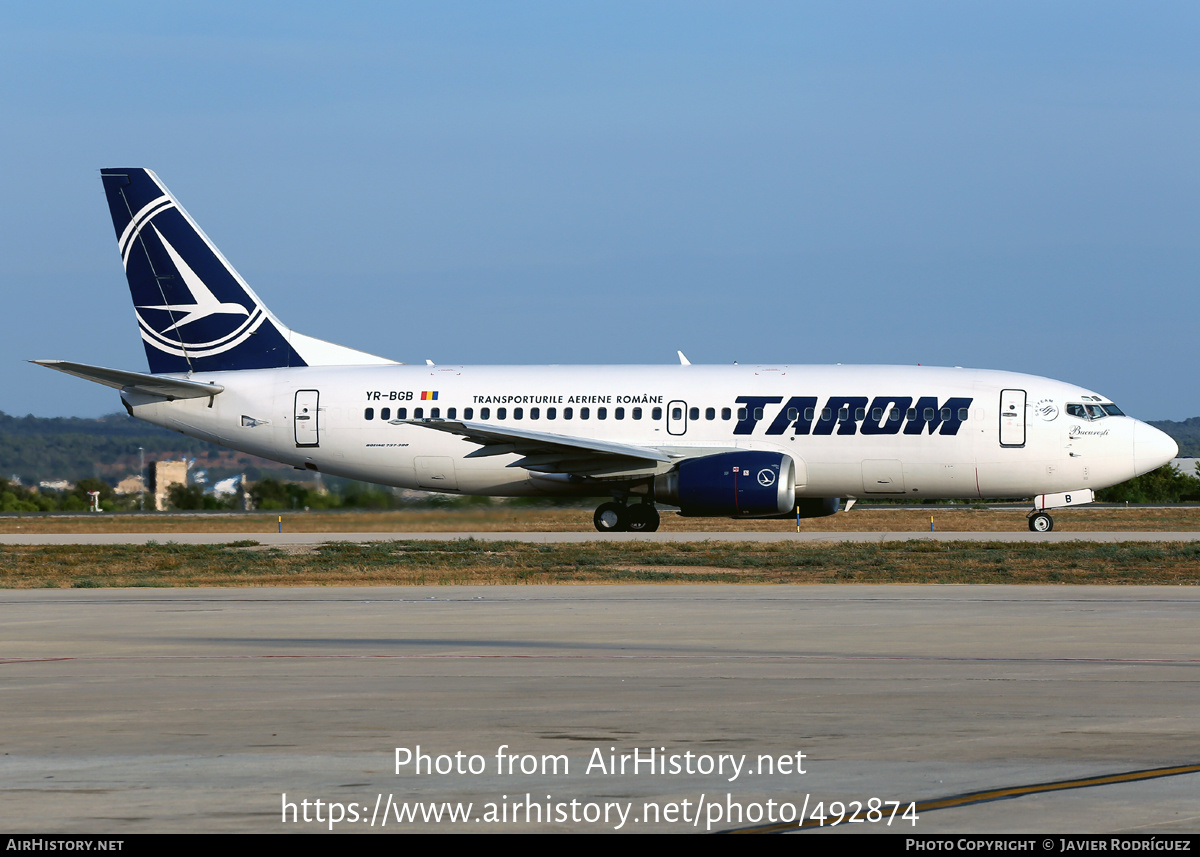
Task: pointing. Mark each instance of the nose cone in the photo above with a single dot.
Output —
(1151, 448)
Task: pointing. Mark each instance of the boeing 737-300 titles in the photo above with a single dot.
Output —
(735, 441)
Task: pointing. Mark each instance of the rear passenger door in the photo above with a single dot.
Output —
(305, 418)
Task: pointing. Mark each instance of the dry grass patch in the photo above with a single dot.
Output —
(471, 562)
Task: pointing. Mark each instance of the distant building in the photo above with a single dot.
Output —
(129, 485)
(1186, 465)
(227, 487)
(164, 474)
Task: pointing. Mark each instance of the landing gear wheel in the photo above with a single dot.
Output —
(1041, 523)
(643, 518)
(611, 518)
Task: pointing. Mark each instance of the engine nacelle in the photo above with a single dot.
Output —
(731, 484)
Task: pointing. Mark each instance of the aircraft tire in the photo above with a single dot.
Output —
(643, 518)
(611, 518)
(1041, 523)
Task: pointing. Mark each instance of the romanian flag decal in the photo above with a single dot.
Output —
(429, 395)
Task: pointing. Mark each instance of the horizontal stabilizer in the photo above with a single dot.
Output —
(152, 385)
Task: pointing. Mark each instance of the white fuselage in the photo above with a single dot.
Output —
(853, 431)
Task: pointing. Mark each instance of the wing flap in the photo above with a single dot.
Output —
(525, 441)
(544, 452)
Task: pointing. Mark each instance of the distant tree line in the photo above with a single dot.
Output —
(37, 449)
(1165, 485)
(18, 498)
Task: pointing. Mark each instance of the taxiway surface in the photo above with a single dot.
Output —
(214, 710)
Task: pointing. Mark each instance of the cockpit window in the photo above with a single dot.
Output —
(1094, 412)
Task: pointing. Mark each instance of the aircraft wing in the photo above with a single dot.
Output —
(543, 452)
(153, 385)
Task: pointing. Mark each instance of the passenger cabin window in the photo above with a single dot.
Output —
(369, 414)
(551, 413)
(401, 413)
(535, 413)
(637, 413)
(451, 413)
(656, 414)
(435, 413)
(501, 413)
(620, 413)
(385, 413)
(518, 413)
(485, 413)
(693, 413)
(568, 413)
(601, 413)
(726, 413)
(468, 413)
(418, 413)
(584, 413)
(710, 413)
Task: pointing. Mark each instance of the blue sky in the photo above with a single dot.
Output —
(1004, 185)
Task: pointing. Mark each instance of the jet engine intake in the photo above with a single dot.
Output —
(733, 484)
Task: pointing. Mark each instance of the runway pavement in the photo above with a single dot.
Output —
(563, 538)
(225, 710)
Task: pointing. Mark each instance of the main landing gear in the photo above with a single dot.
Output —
(616, 517)
(1041, 522)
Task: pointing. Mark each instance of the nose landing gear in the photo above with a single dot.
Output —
(1041, 522)
(616, 517)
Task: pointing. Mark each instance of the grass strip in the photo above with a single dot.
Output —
(246, 563)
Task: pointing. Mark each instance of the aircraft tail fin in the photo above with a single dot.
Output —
(194, 311)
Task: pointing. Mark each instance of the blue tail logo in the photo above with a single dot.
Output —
(195, 313)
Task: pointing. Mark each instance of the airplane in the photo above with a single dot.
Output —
(740, 441)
